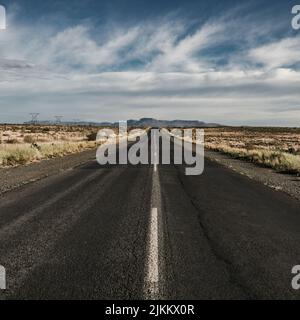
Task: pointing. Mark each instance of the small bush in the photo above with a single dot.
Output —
(12, 141)
(92, 136)
(29, 139)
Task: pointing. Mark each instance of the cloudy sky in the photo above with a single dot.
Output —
(225, 61)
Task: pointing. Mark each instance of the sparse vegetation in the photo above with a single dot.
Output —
(23, 144)
(281, 161)
(277, 148)
(12, 155)
(29, 139)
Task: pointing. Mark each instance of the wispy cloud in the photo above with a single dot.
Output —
(164, 68)
(283, 53)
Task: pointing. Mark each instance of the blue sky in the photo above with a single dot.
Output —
(232, 62)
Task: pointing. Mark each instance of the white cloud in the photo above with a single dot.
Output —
(183, 55)
(155, 69)
(283, 53)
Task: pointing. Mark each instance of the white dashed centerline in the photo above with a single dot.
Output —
(2, 278)
(152, 279)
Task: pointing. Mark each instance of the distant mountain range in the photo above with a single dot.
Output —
(150, 122)
(144, 122)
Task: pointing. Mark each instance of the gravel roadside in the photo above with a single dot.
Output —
(12, 178)
(287, 183)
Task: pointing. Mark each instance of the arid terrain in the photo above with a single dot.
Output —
(22, 144)
(278, 148)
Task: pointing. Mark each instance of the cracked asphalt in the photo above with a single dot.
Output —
(83, 234)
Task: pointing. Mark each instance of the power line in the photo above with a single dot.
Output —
(34, 117)
(58, 119)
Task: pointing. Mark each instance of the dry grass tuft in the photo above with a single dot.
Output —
(12, 155)
(281, 161)
(23, 144)
(277, 148)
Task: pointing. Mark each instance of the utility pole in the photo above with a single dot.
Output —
(58, 119)
(34, 118)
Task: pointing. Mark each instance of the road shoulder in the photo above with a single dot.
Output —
(287, 183)
(15, 177)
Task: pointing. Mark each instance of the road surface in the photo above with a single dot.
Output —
(148, 232)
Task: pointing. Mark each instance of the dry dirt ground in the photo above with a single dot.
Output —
(24, 144)
(271, 139)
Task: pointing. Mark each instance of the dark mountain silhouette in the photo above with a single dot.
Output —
(142, 123)
(150, 122)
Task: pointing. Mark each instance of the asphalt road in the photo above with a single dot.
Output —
(139, 232)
